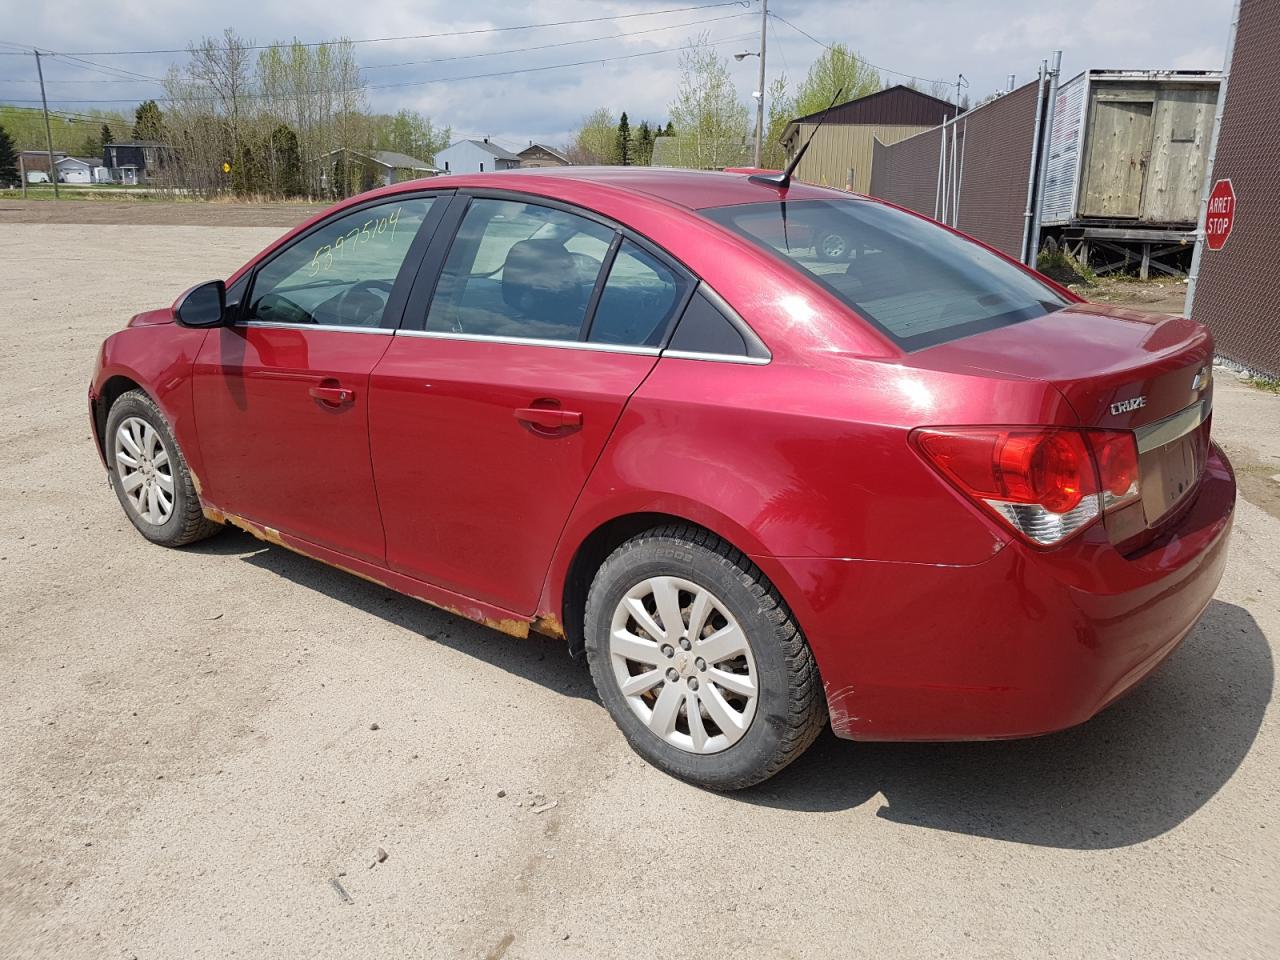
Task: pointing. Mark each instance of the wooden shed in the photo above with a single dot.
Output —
(1129, 147)
(841, 153)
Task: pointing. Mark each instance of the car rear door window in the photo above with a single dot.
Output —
(638, 300)
(519, 270)
(342, 274)
(917, 282)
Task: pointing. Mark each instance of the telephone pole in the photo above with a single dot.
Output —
(48, 133)
(764, 29)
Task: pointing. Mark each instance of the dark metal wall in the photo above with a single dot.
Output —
(1236, 291)
(996, 148)
(993, 157)
(892, 105)
(907, 172)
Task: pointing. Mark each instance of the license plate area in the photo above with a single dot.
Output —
(1171, 458)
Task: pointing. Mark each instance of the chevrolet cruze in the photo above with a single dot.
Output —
(764, 481)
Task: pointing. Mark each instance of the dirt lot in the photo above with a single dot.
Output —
(188, 752)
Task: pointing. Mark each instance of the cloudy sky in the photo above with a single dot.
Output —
(932, 39)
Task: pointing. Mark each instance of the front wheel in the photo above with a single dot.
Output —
(698, 660)
(150, 476)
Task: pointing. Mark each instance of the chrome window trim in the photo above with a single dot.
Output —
(1174, 427)
(332, 328)
(715, 357)
(751, 340)
(530, 342)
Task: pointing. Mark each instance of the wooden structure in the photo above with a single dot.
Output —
(540, 155)
(1127, 156)
(842, 150)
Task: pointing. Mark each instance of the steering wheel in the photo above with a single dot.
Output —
(361, 306)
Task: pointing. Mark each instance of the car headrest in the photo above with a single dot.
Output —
(540, 279)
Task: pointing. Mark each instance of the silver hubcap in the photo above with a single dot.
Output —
(683, 664)
(833, 246)
(144, 470)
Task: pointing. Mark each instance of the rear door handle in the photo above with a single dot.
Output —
(550, 418)
(335, 396)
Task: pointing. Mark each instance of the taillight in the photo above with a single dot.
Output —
(1045, 483)
(1117, 454)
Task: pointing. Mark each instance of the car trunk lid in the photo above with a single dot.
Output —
(1119, 370)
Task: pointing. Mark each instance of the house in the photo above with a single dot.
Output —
(362, 170)
(476, 156)
(81, 170)
(133, 162)
(34, 164)
(841, 153)
(540, 155)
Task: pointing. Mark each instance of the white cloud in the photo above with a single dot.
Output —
(929, 38)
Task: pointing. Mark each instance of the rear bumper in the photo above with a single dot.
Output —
(1025, 643)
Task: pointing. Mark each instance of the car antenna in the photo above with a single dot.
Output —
(783, 180)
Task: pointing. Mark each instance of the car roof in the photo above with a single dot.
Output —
(692, 189)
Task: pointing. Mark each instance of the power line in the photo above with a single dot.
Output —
(417, 36)
(142, 78)
(415, 83)
(561, 43)
(896, 73)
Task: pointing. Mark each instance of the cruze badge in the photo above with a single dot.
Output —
(1202, 378)
(1124, 406)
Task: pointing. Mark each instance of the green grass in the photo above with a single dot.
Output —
(1269, 384)
(1061, 260)
(44, 191)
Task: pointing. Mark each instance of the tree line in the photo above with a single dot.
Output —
(709, 126)
(292, 121)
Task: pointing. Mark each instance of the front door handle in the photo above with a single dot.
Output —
(332, 395)
(549, 418)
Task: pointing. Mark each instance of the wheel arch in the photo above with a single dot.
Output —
(565, 594)
(113, 388)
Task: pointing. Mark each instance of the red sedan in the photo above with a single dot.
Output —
(908, 486)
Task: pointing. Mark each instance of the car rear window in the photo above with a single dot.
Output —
(918, 283)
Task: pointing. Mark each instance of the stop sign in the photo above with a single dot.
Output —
(1221, 214)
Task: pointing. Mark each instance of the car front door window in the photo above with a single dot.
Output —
(342, 274)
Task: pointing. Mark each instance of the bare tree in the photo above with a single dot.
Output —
(710, 121)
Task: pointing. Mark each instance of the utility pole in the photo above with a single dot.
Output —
(48, 134)
(764, 27)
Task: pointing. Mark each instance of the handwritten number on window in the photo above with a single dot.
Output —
(323, 259)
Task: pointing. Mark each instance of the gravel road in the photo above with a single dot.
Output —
(195, 744)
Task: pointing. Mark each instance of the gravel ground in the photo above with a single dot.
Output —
(195, 744)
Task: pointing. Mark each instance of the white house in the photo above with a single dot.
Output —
(80, 170)
(476, 156)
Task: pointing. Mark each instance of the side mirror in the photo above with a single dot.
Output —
(204, 305)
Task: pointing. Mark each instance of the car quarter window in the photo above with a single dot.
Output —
(639, 298)
(341, 274)
(519, 269)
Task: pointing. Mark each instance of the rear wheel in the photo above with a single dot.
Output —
(150, 475)
(699, 661)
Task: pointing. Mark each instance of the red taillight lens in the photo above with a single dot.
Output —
(1117, 454)
(1042, 482)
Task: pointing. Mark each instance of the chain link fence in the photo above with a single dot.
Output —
(1236, 291)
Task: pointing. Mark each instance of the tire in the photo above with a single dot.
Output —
(182, 522)
(763, 733)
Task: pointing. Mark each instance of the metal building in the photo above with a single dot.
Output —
(841, 153)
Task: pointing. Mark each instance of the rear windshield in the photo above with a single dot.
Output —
(920, 284)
